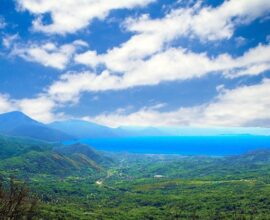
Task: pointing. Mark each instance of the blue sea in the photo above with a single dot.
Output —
(183, 145)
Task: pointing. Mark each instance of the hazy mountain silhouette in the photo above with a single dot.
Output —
(18, 124)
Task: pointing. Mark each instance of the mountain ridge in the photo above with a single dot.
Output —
(83, 129)
(20, 125)
(22, 156)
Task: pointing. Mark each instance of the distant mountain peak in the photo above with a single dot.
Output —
(16, 118)
(15, 114)
(17, 123)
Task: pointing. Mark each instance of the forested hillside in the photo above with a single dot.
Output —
(78, 182)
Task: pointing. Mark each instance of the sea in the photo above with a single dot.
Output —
(221, 145)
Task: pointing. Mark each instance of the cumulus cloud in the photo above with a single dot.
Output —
(149, 58)
(153, 35)
(239, 106)
(217, 23)
(171, 64)
(73, 15)
(47, 54)
(208, 22)
(242, 106)
(70, 86)
(246, 105)
(5, 103)
(40, 108)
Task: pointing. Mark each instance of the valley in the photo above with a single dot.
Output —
(77, 182)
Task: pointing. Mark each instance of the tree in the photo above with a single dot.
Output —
(16, 202)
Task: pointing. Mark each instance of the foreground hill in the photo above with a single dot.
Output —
(26, 157)
(15, 146)
(149, 186)
(49, 162)
(19, 124)
(81, 149)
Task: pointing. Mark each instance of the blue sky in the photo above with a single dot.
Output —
(137, 62)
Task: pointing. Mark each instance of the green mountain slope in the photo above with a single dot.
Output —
(25, 157)
(14, 146)
(81, 149)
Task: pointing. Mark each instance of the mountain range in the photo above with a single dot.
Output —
(20, 125)
(83, 129)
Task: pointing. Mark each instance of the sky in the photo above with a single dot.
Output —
(183, 63)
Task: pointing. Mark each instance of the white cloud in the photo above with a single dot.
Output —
(147, 58)
(48, 54)
(169, 65)
(69, 87)
(209, 23)
(252, 70)
(178, 64)
(240, 106)
(246, 105)
(150, 37)
(69, 16)
(40, 108)
(236, 107)
(5, 103)
(240, 41)
(253, 62)
(217, 23)
(8, 40)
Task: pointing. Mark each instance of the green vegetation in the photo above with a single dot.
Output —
(10, 147)
(77, 182)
